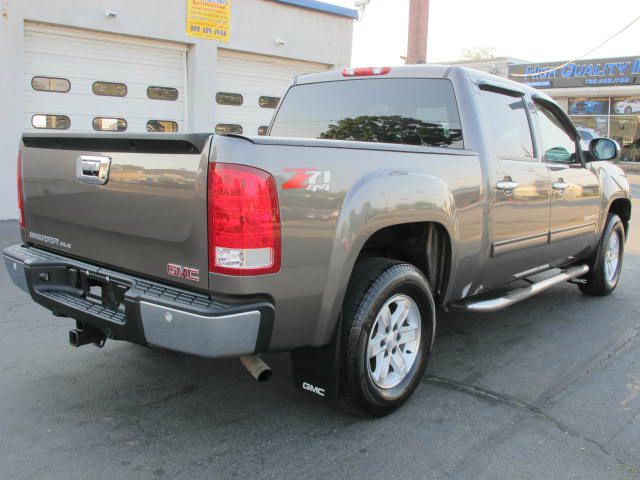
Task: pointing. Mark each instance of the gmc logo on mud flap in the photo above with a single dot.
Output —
(313, 389)
(187, 273)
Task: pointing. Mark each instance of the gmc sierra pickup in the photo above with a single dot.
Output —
(379, 196)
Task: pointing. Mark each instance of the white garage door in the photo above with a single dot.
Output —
(249, 86)
(81, 81)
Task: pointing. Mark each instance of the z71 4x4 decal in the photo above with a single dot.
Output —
(308, 179)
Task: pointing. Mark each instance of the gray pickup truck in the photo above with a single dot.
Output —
(379, 196)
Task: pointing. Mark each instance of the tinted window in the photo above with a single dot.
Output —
(50, 84)
(406, 111)
(162, 93)
(109, 89)
(557, 144)
(234, 99)
(268, 102)
(227, 128)
(104, 124)
(162, 126)
(508, 125)
(56, 122)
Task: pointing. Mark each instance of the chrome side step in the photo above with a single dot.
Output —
(519, 294)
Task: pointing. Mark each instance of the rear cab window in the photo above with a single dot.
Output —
(420, 111)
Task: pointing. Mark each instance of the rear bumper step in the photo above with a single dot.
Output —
(138, 310)
(519, 294)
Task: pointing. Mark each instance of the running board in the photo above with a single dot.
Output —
(519, 294)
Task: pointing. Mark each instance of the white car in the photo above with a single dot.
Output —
(628, 106)
(586, 135)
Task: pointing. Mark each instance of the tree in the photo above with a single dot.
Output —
(392, 129)
(476, 53)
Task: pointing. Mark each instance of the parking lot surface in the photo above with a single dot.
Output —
(549, 388)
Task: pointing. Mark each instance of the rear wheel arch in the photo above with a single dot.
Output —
(426, 245)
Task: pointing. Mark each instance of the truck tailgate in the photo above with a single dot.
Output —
(149, 217)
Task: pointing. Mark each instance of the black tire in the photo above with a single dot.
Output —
(374, 282)
(598, 282)
(627, 110)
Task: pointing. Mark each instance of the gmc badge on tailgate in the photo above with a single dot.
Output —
(186, 273)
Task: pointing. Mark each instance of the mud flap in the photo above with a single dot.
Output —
(317, 370)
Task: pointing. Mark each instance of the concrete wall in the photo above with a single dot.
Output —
(255, 24)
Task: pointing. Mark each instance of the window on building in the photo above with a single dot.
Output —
(591, 126)
(163, 93)
(588, 106)
(625, 129)
(228, 128)
(233, 99)
(401, 111)
(105, 124)
(508, 124)
(558, 145)
(162, 126)
(625, 106)
(262, 131)
(268, 102)
(109, 89)
(55, 122)
(50, 84)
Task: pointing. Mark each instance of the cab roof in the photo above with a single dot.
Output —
(418, 71)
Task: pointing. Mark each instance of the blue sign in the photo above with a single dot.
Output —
(600, 72)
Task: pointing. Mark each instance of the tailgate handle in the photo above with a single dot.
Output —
(93, 170)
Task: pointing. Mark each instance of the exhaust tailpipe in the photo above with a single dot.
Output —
(79, 337)
(256, 367)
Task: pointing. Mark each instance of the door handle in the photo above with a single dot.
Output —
(507, 186)
(93, 170)
(560, 185)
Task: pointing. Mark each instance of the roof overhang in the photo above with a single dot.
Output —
(322, 7)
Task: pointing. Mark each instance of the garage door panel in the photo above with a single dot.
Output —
(253, 76)
(104, 71)
(83, 58)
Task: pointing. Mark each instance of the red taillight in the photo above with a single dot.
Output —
(20, 193)
(244, 220)
(365, 72)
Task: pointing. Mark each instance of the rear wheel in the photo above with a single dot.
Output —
(606, 264)
(388, 330)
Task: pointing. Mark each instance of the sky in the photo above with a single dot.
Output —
(544, 30)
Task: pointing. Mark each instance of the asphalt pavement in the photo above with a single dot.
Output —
(548, 389)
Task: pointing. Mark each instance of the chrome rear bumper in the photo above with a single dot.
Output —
(139, 310)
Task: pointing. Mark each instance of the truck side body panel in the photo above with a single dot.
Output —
(325, 225)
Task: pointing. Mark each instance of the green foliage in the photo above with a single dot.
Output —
(477, 53)
(392, 129)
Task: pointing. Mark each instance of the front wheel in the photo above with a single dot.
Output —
(606, 264)
(388, 330)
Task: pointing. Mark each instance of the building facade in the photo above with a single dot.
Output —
(123, 66)
(602, 96)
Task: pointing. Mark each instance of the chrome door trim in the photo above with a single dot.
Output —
(573, 231)
(513, 244)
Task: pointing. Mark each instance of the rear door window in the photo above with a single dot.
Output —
(508, 124)
(404, 111)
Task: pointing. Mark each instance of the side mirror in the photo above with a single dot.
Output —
(604, 149)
